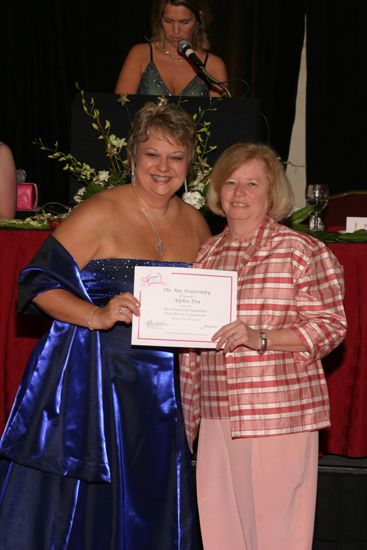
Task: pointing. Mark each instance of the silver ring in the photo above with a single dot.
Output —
(123, 310)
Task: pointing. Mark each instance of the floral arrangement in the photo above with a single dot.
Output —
(93, 181)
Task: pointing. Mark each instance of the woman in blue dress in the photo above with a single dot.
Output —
(94, 454)
(156, 67)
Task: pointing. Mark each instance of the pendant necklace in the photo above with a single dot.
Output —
(173, 57)
(159, 243)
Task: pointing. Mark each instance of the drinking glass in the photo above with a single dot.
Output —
(317, 195)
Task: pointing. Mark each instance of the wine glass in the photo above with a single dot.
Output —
(317, 195)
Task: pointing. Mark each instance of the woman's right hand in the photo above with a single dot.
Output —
(120, 308)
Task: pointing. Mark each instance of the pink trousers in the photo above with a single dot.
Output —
(256, 493)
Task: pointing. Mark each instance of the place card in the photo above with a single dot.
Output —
(354, 223)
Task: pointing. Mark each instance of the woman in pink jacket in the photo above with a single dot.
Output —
(261, 396)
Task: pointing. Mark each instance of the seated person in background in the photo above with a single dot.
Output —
(157, 68)
(8, 188)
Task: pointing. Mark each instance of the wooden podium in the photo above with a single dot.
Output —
(232, 120)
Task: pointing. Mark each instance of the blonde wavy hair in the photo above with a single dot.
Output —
(202, 14)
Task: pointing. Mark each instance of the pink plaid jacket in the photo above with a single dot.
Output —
(285, 280)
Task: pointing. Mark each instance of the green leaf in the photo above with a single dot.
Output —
(299, 216)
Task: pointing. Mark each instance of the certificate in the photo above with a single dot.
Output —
(182, 307)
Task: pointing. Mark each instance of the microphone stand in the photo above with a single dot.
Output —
(210, 79)
(225, 89)
(185, 49)
(221, 85)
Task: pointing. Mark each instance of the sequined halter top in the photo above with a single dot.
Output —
(151, 82)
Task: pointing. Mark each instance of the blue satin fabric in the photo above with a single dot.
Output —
(94, 452)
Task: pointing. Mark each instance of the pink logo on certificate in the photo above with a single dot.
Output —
(153, 279)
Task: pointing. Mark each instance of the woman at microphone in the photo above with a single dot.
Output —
(177, 59)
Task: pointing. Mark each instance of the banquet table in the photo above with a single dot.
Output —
(18, 333)
(345, 367)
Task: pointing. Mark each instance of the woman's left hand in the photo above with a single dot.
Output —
(235, 334)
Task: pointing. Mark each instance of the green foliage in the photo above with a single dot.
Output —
(294, 221)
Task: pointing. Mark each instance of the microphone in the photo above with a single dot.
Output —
(185, 48)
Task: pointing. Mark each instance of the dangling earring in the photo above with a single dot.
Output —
(185, 184)
(133, 175)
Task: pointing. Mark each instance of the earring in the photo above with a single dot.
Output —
(133, 175)
(185, 184)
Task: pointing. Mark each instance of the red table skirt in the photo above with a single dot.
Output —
(18, 333)
(345, 367)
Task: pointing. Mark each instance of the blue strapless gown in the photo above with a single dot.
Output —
(94, 453)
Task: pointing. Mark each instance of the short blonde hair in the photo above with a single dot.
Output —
(281, 194)
(171, 120)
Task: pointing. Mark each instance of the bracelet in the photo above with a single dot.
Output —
(90, 317)
(263, 343)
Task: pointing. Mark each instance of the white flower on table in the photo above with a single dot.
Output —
(195, 198)
(119, 143)
(80, 195)
(102, 177)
